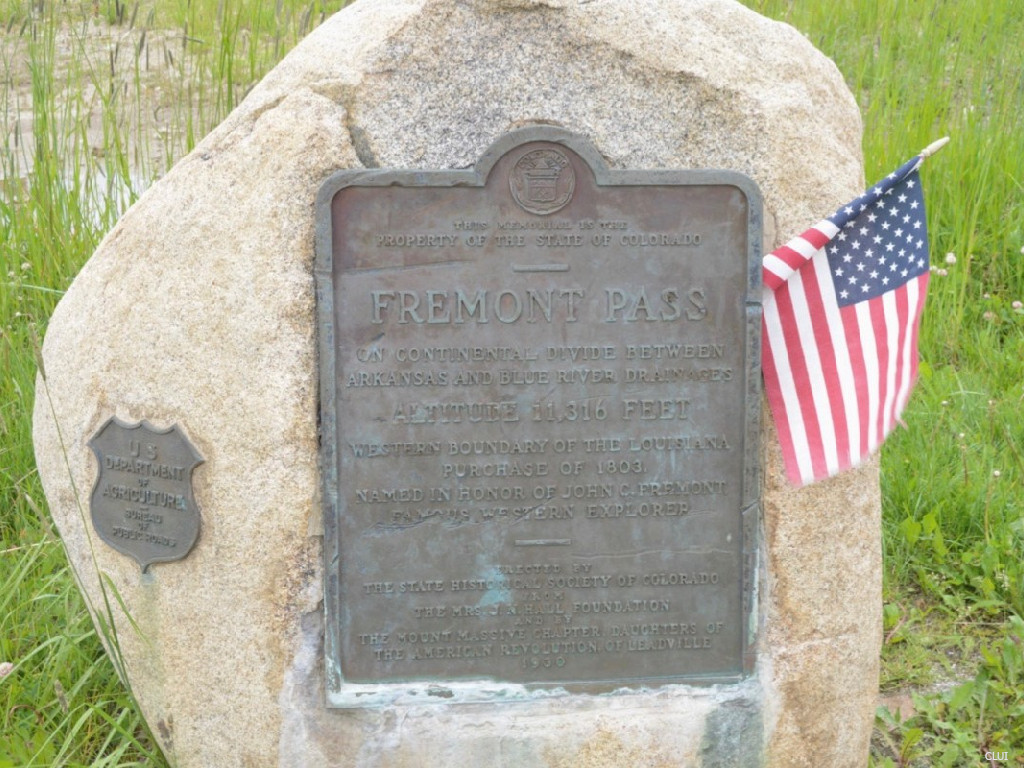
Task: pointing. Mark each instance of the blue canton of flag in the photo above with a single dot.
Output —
(882, 240)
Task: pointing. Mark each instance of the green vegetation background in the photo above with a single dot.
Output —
(99, 98)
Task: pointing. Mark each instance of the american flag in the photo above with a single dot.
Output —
(842, 306)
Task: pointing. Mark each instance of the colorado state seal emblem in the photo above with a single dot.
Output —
(542, 181)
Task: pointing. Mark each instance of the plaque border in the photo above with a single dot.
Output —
(344, 695)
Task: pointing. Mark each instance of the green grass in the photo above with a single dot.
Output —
(118, 91)
(953, 512)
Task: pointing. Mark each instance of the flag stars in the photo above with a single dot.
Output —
(871, 234)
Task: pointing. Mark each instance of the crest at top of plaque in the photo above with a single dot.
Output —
(542, 181)
(142, 504)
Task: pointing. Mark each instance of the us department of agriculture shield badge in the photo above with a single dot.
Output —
(142, 504)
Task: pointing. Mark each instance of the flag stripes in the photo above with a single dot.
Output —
(780, 264)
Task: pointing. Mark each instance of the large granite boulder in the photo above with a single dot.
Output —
(198, 310)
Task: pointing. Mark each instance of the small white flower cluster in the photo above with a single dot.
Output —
(1016, 305)
(942, 271)
(6, 668)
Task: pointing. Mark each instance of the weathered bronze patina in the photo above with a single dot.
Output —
(142, 504)
(540, 409)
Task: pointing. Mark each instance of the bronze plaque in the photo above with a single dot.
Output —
(540, 403)
(142, 504)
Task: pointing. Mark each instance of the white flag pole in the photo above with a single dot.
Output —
(934, 147)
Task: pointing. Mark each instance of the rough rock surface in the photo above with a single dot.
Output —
(198, 310)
